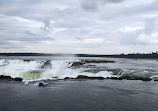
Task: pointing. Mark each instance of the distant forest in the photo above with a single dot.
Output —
(153, 55)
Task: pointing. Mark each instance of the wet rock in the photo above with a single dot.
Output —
(27, 60)
(46, 65)
(98, 61)
(42, 84)
(6, 77)
(144, 78)
(86, 77)
(115, 78)
(2, 77)
(68, 78)
(127, 77)
(91, 65)
(76, 64)
(155, 78)
(18, 79)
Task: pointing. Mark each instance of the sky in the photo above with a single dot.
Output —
(79, 26)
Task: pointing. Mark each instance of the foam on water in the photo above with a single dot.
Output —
(15, 68)
(32, 71)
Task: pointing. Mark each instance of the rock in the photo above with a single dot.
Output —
(27, 60)
(6, 77)
(10, 78)
(42, 84)
(91, 65)
(128, 77)
(18, 79)
(115, 78)
(145, 79)
(76, 64)
(46, 65)
(155, 78)
(98, 61)
(68, 78)
(86, 77)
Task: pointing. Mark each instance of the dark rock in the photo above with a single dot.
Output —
(128, 77)
(46, 65)
(67, 78)
(115, 78)
(98, 61)
(91, 65)
(145, 79)
(6, 77)
(2, 77)
(76, 64)
(86, 77)
(42, 84)
(155, 78)
(18, 79)
(27, 60)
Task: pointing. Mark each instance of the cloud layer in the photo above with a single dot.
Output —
(79, 26)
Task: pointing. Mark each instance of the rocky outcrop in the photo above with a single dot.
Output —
(26, 60)
(98, 61)
(127, 77)
(76, 64)
(6, 77)
(2, 77)
(155, 78)
(46, 65)
(67, 78)
(86, 77)
(42, 84)
(18, 79)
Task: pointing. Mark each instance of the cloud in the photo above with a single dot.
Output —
(77, 26)
(149, 26)
(92, 5)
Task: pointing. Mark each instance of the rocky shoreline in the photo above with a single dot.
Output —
(8, 78)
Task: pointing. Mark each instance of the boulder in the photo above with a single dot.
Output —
(115, 78)
(42, 84)
(98, 61)
(144, 79)
(76, 64)
(10, 78)
(155, 78)
(18, 79)
(86, 77)
(6, 77)
(46, 65)
(67, 78)
(128, 77)
(26, 60)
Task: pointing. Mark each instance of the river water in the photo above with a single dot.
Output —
(78, 94)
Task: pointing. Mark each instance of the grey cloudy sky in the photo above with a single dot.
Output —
(79, 26)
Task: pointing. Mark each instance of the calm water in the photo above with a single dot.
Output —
(80, 95)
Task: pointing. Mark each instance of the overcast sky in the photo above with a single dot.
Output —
(79, 26)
